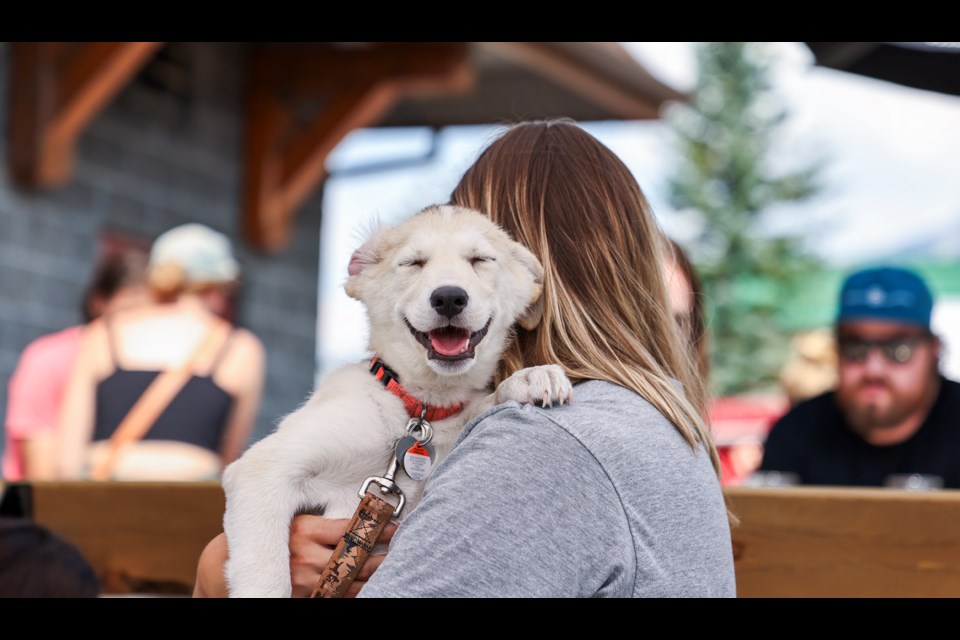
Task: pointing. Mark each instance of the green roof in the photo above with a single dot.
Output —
(815, 302)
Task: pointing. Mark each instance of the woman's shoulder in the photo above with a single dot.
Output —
(53, 346)
(243, 365)
(247, 344)
(588, 396)
(597, 406)
(606, 419)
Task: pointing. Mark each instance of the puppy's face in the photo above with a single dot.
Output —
(443, 289)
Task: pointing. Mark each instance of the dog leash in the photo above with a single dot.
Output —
(414, 454)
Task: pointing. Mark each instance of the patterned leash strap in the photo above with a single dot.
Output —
(416, 456)
(369, 520)
(354, 547)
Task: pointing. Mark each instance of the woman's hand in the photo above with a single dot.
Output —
(312, 541)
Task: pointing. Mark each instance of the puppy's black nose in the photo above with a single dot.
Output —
(449, 301)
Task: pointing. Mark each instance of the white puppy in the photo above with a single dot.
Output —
(443, 291)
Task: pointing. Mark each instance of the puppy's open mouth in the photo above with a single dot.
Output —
(449, 343)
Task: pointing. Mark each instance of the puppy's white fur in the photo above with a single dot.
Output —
(321, 453)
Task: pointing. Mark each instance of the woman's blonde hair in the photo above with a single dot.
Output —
(168, 281)
(562, 193)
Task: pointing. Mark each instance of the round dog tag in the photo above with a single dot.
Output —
(418, 461)
(403, 444)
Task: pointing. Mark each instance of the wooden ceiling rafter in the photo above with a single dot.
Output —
(57, 90)
(581, 78)
(285, 158)
(301, 100)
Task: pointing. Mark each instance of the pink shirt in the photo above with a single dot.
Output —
(35, 392)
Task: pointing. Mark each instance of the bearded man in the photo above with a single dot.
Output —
(893, 413)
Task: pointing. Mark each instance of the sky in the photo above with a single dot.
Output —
(890, 157)
(890, 152)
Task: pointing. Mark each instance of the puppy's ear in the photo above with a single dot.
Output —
(532, 315)
(354, 269)
(368, 254)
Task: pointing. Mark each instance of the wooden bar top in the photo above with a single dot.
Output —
(143, 537)
(846, 542)
(146, 537)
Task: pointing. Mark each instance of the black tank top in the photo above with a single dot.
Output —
(197, 414)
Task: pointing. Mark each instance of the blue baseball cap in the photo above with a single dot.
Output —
(886, 293)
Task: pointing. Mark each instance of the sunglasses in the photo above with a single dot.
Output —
(895, 351)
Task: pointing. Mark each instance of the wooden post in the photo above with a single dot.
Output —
(285, 157)
(57, 90)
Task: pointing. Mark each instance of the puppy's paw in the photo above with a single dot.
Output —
(545, 385)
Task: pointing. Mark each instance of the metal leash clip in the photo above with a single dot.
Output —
(386, 485)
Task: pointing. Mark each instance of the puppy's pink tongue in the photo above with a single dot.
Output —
(449, 342)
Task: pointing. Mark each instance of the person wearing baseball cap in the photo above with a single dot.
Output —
(193, 259)
(195, 379)
(893, 414)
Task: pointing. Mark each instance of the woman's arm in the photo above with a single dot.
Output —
(312, 541)
(40, 456)
(33, 400)
(77, 411)
(210, 580)
(242, 374)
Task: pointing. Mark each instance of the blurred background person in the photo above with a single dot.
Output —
(202, 425)
(686, 304)
(36, 563)
(811, 368)
(893, 413)
(36, 388)
(737, 459)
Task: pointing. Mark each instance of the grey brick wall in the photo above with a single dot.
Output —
(151, 160)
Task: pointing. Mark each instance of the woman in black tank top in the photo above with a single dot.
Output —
(201, 377)
(196, 415)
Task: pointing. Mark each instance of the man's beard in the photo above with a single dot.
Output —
(869, 415)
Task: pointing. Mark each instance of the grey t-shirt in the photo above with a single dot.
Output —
(602, 497)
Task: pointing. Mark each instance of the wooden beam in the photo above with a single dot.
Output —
(312, 69)
(286, 158)
(31, 107)
(267, 119)
(841, 55)
(305, 161)
(57, 90)
(577, 77)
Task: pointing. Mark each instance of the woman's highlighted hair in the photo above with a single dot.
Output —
(562, 193)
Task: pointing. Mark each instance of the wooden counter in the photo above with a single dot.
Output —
(146, 537)
(845, 542)
(142, 537)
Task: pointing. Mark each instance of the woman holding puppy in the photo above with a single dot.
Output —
(621, 487)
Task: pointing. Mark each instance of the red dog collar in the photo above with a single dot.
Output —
(414, 407)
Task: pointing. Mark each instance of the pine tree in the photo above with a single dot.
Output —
(725, 137)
